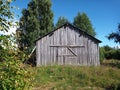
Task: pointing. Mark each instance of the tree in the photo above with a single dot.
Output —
(5, 22)
(13, 74)
(115, 35)
(82, 21)
(36, 21)
(5, 15)
(107, 48)
(61, 21)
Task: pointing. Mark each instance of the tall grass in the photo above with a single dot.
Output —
(112, 63)
(77, 78)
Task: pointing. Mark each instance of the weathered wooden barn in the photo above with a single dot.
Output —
(67, 45)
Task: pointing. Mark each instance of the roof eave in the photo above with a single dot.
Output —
(68, 24)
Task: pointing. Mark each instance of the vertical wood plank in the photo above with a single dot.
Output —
(89, 55)
(37, 54)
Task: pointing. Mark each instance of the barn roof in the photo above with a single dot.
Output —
(68, 24)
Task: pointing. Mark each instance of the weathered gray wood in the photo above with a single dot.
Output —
(67, 46)
(71, 46)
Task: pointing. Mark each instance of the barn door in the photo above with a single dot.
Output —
(66, 54)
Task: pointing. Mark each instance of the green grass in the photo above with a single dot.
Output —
(77, 78)
(112, 63)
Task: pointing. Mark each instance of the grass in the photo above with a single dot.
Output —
(77, 78)
(112, 63)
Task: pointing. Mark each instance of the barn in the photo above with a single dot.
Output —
(67, 45)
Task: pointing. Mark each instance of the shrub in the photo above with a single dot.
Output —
(113, 54)
(107, 52)
(117, 54)
(14, 75)
(102, 54)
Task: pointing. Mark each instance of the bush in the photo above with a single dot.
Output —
(117, 54)
(110, 54)
(102, 54)
(113, 54)
(14, 75)
(107, 52)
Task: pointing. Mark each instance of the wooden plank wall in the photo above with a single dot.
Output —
(67, 36)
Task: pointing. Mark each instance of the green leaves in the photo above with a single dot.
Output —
(36, 21)
(107, 52)
(6, 15)
(61, 21)
(115, 35)
(14, 75)
(82, 21)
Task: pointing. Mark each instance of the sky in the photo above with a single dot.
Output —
(103, 14)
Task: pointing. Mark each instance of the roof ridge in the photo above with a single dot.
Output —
(68, 24)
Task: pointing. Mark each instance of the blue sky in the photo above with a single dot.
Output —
(104, 14)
